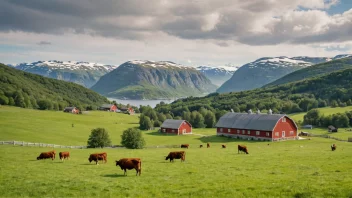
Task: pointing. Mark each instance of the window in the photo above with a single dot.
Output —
(276, 133)
(248, 132)
(291, 132)
(238, 131)
(267, 134)
(220, 129)
(229, 130)
(243, 132)
(164, 130)
(257, 132)
(173, 130)
(283, 119)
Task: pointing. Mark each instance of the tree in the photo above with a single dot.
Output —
(198, 120)
(312, 117)
(132, 138)
(99, 137)
(45, 104)
(4, 100)
(210, 119)
(157, 123)
(145, 122)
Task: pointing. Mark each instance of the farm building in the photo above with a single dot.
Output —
(177, 127)
(108, 107)
(128, 110)
(71, 110)
(307, 126)
(257, 126)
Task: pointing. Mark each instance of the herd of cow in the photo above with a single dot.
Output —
(128, 163)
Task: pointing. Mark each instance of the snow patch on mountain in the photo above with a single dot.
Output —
(70, 65)
(156, 64)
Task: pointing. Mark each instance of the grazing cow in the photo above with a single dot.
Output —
(223, 146)
(97, 156)
(242, 148)
(208, 145)
(184, 146)
(333, 147)
(201, 146)
(130, 163)
(54, 153)
(64, 155)
(176, 155)
(46, 155)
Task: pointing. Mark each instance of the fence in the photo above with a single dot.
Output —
(22, 143)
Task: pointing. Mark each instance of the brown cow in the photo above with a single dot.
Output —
(208, 145)
(333, 147)
(242, 148)
(54, 153)
(97, 156)
(176, 155)
(46, 155)
(64, 155)
(184, 146)
(223, 146)
(130, 163)
(201, 146)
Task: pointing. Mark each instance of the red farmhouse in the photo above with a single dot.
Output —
(128, 110)
(177, 127)
(108, 107)
(271, 127)
(73, 110)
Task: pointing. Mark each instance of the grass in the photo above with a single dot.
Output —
(303, 168)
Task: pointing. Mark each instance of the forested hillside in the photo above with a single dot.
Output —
(334, 89)
(314, 71)
(23, 89)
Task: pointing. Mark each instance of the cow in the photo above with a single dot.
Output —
(223, 146)
(242, 148)
(333, 147)
(54, 153)
(97, 156)
(46, 155)
(130, 163)
(64, 155)
(184, 146)
(208, 145)
(201, 146)
(176, 155)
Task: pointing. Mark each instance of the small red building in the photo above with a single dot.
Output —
(250, 126)
(176, 127)
(128, 110)
(108, 107)
(73, 110)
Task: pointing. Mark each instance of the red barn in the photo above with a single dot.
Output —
(177, 127)
(73, 110)
(271, 127)
(108, 107)
(128, 110)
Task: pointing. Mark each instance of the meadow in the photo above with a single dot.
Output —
(302, 168)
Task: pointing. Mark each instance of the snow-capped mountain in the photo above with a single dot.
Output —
(153, 80)
(217, 75)
(83, 73)
(265, 70)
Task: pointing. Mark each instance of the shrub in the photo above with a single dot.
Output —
(99, 137)
(132, 138)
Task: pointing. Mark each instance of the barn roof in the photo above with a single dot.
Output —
(263, 122)
(69, 108)
(106, 106)
(173, 124)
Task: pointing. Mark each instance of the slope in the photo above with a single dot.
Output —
(315, 70)
(153, 80)
(24, 89)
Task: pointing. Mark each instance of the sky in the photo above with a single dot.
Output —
(189, 32)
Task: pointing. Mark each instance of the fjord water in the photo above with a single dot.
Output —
(137, 103)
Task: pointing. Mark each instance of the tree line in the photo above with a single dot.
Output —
(339, 120)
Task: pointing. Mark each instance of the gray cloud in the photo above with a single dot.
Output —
(256, 22)
(44, 43)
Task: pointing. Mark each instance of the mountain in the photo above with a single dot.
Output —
(300, 96)
(23, 89)
(153, 80)
(83, 73)
(217, 75)
(337, 63)
(266, 70)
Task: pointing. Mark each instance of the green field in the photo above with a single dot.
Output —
(302, 168)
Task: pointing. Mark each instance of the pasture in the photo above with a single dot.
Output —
(302, 168)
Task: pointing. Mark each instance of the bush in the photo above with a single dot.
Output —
(99, 137)
(132, 138)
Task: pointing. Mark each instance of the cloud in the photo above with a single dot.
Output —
(44, 43)
(255, 22)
